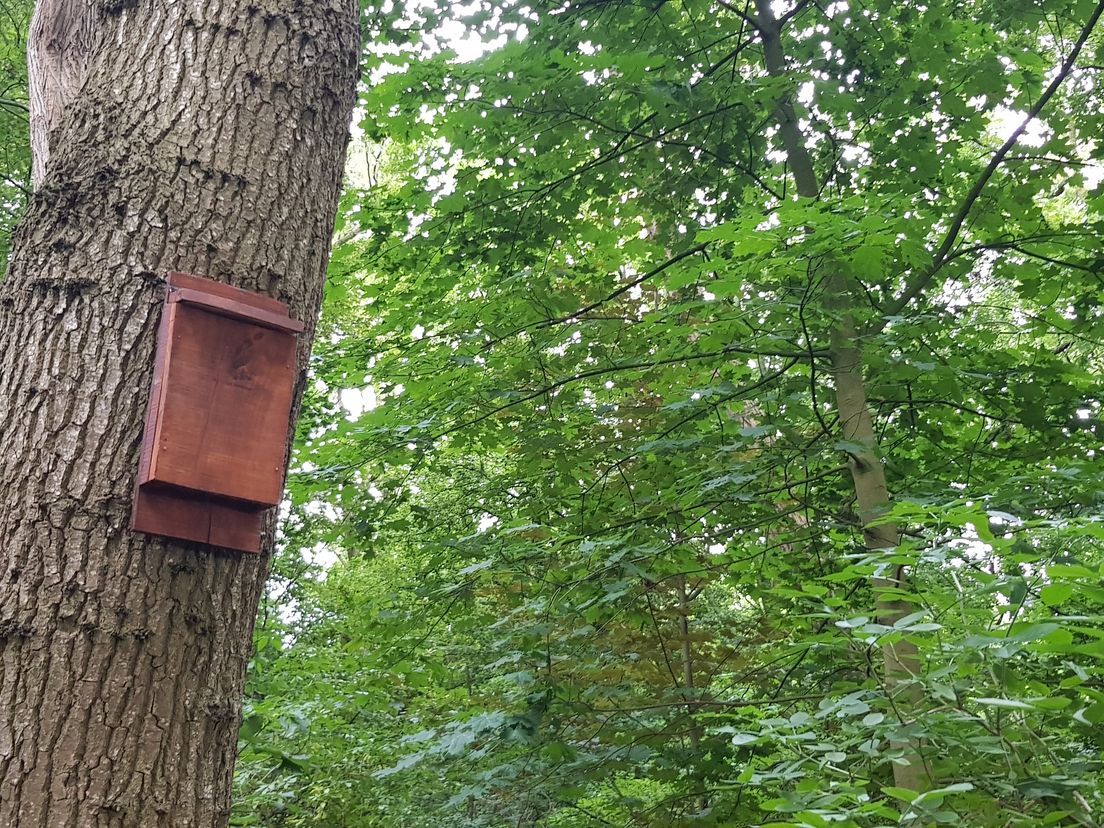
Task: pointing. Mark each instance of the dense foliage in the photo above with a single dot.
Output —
(573, 539)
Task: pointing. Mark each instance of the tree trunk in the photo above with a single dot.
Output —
(60, 43)
(900, 659)
(686, 657)
(208, 136)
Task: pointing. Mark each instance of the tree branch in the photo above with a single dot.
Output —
(942, 253)
(743, 14)
(621, 291)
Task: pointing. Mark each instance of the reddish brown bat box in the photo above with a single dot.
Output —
(216, 431)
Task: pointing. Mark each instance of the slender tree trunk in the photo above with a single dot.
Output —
(686, 597)
(686, 657)
(208, 136)
(901, 659)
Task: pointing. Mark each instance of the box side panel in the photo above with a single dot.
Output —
(153, 413)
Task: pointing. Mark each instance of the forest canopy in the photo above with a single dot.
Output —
(703, 427)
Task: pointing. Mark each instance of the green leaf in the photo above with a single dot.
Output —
(1009, 703)
(903, 794)
(1055, 594)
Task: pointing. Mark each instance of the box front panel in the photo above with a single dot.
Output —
(224, 407)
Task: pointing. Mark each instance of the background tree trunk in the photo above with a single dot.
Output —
(900, 658)
(61, 41)
(208, 136)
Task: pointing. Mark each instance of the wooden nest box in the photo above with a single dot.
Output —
(215, 443)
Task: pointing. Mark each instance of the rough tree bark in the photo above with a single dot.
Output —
(207, 136)
(59, 45)
(900, 658)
